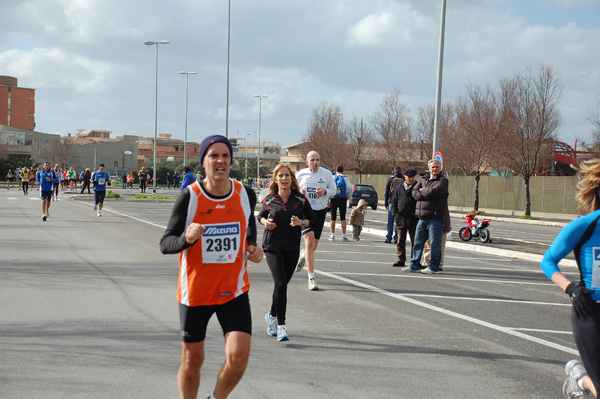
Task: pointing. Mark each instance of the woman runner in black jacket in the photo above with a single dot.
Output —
(286, 214)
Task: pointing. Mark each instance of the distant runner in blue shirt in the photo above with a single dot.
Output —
(46, 177)
(100, 179)
(188, 178)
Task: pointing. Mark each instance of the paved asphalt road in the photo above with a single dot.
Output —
(88, 310)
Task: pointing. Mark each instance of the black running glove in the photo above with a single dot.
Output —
(581, 298)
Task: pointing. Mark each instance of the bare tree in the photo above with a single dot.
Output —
(61, 152)
(594, 118)
(326, 135)
(451, 142)
(479, 117)
(530, 118)
(392, 125)
(361, 146)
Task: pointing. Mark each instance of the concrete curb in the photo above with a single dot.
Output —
(484, 249)
(514, 220)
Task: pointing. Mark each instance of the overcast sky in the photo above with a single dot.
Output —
(91, 70)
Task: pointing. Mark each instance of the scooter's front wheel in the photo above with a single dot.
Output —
(465, 234)
(484, 235)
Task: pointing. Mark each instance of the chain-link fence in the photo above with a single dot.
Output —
(549, 194)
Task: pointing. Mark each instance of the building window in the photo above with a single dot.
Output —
(175, 148)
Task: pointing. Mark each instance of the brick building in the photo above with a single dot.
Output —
(17, 104)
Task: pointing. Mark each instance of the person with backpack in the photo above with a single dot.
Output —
(582, 236)
(394, 181)
(343, 191)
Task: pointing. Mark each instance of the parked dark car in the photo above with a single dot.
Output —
(366, 192)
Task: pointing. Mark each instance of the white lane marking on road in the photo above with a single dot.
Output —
(506, 330)
(104, 209)
(519, 301)
(543, 331)
(438, 277)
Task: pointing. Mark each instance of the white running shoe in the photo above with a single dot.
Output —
(575, 371)
(44, 218)
(344, 238)
(99, 214)
(47, 213)
(428, 271)
(312, 284)
(301, 261)
(331, 238)
(282, 334)
(271, 324)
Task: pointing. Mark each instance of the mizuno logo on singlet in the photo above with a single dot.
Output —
(222, 230)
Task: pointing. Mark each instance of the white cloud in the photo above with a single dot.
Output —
(87, 60)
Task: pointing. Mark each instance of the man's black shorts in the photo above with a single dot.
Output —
(47, 195)
(335, 204)
(318, 227)
(234, 315)
(99, 196)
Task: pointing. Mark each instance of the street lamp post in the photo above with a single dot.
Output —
(151, 43)
(247, 135)
(228, 51)
(438, 94)
(260, 97)
(187, 81)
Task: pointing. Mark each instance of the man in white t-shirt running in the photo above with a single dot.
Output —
(317, 185)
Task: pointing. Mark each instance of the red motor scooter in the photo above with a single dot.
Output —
(475, 228)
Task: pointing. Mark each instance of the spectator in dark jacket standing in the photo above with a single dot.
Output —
(393, 182)
(432, 201)
(403, 206)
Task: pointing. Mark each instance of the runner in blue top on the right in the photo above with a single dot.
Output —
(582, 236)
(100, 179)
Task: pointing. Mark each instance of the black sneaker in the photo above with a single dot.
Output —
(398, 264)
(388, 240)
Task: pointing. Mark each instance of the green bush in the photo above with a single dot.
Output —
(111, 194)
(528, 217)
(153, 196)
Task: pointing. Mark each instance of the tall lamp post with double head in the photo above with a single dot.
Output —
(260, 97)
(187, 81)
(151, 43)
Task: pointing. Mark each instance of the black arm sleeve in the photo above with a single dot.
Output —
(173, 240)
(251, 231)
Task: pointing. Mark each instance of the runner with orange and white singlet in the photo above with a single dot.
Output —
(212, 227)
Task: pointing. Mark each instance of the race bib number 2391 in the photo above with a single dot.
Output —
(221, 242)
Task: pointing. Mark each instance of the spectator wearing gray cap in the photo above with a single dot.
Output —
(403, 207)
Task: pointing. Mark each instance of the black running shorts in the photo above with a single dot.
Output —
(234, 315)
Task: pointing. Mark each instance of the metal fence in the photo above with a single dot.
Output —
(549, 194)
